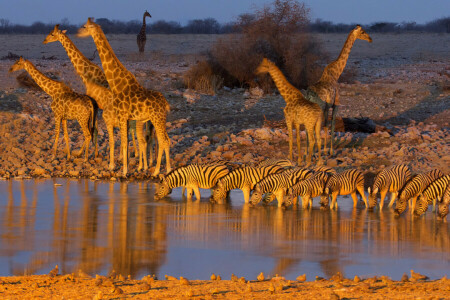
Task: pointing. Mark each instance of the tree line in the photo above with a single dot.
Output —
(212, 26)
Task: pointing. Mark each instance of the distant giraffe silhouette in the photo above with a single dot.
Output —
(298, 111)
(66, 105)
(142, 35)
(327, 88)
(131, 100)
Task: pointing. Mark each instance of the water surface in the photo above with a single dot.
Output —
(101, 226)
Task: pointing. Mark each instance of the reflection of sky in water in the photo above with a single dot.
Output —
(102, 226)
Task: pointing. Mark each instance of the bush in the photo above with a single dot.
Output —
(277, 32)
(202, 78)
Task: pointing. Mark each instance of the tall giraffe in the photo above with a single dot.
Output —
(298, 111)
(131, 100)
(327, 88)
(142, 35)
(89, 72)
(66, 105)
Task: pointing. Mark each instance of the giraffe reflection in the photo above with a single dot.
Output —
(98, 227)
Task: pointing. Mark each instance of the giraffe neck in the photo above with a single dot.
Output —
(143, 22)
(334, 70)
(102, 95)
(287, 90)
(50, 86)
(83, 66)
(119, 78)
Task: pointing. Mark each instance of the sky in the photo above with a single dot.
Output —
(337, 11)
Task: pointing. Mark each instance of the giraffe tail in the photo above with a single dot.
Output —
(93, 118)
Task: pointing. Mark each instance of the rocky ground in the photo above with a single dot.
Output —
(81, 286)
(407, 96)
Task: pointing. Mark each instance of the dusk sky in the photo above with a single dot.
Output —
(346, 11)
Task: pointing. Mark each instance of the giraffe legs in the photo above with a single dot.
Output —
(163, 147)
(66, 139)
(96, 139)
(123, 124)
(312, 141)
(297, 131)
(87, 138)
(325, 127)
(57, 128)
(289, 127)
(333, 123)
(110, 129)
(149, 137)
(318, 141)
(133, 131)
(142, 145)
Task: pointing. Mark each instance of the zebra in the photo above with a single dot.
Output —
(443, 206)
(413, 188)
(323, 169)
(284, 163)
(192, 177)
(347, 182)
(307, 189)
(277, 184)
(434, 191)
(212, 163)
(392, 180)
(242, 178)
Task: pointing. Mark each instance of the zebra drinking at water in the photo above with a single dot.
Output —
(244, 179)
(413, 188)
(307, 189)
(434, 191)
(192, 177)
(392, 180)
(277, 184)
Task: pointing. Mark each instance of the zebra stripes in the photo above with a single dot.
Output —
(242, 178)
(192, 177)
(347, 182)
(307, 189)
(392, 180)
(434, 191)
(323, 169)
(445, 202)
(284, 163)
(277, 184)
(413, 188)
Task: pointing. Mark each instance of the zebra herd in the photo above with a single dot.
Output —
(281, 180)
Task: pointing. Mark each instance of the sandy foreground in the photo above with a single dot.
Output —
(402, 83)
(81, 286)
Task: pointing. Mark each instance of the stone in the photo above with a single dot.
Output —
(228, 155)
(74, 173)
(332, 162)
(39, 171)
(263, 134)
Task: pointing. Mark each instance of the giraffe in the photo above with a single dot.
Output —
(327, 88)
(66, 105)
(89, 72)
(298, 111)
(142, 36)
(106, 97)
(131, 100)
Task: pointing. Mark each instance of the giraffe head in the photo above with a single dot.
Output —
(88, 29)
(18, 65)
(54, 35)
(264, 66)
(147, 14)
(361, 34)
